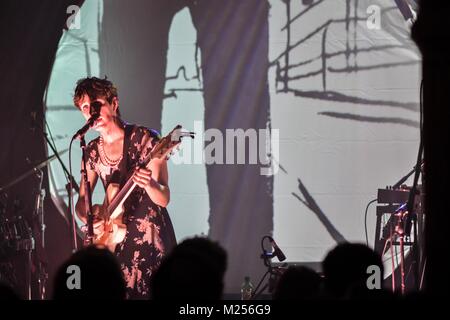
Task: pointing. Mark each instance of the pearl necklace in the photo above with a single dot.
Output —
(104, 157)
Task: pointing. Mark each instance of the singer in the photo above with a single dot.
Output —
(111, 156)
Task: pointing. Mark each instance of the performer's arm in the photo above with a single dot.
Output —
(155, 181)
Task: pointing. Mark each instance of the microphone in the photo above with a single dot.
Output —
(80, 133)
(277, 251)
(95, 114)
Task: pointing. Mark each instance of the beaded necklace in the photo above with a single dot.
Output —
(104, 157)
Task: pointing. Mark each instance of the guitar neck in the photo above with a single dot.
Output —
(127, 189)
(121, 196)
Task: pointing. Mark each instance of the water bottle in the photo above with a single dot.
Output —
(246, 289)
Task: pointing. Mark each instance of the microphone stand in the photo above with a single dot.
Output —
(42, 275)
(406, 217)
(400, 232)
(272, 271)
(87, 197)
(269, 271)
(71, 183)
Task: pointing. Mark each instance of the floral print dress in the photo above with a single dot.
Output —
(150, 233)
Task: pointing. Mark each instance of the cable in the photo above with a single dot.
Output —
(417, 254)
(54, 144)
(262, 243)
(264, 255)
(391, 249)
(365, 220)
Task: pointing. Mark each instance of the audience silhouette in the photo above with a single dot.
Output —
(194, 270)
(100, 276)
(7, 292)
(298, 283)
(346, 272)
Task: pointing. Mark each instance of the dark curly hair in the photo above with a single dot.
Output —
(95, 87)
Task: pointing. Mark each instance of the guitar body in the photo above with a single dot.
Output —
(114, 230)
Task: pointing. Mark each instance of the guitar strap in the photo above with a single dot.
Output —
(156, 137)
(125, 166)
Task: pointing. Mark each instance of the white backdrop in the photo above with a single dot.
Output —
(358, 133)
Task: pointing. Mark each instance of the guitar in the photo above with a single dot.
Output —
(114, 229)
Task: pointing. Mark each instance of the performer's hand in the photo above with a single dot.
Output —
(143, 178)
(98, 224)
(97, 211)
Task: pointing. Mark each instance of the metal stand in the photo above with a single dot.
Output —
(23, 241)
(71, 181)
(73, 223)
(38, 217)
(399, 236)
(274, 272)
(405, 217)
(95, 114)
(30, 263)
(87, 197)
(399, 231)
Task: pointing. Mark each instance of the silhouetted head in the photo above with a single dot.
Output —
(90, 273)
(298, 283)
(7, 292)
(194, 270)
(346, 268)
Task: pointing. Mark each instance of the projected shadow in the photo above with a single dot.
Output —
(308, 200)
(287, 71)
(349, 116)
(181, 73)
(312, 205)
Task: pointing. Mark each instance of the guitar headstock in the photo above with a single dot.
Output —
(164, 147)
